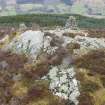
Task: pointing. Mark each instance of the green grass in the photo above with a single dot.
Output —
(49, 20)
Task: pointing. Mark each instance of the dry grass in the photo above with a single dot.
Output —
(93, 33)
(39, 94)
(70, 34)
(14, 61)
(93, 61)
(89, 86)
(96, 33)
(25, 90)
(99, 97)
(36, 71)
(74, 33)
(90, 73)
(103, 80)
(85, 99)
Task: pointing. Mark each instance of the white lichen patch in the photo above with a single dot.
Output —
(63, 83)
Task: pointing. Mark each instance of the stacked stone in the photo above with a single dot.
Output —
(71, 23)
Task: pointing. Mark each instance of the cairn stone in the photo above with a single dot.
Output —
(71, 23)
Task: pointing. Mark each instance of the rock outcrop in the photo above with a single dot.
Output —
(57, 50)
(61, 73)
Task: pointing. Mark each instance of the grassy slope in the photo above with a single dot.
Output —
(91, 74)
(51, 20)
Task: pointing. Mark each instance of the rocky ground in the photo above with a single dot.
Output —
(53, 67)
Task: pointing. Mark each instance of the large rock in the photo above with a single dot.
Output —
(63, 83)
(29, 42)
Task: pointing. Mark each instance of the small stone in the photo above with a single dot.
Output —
(15, 101)
(3, 65)
(17, 77)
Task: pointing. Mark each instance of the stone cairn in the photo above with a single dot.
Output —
(71, 23)
(22, 27)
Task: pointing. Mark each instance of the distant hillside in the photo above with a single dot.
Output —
(84, 7)
(45, 1)
(50, 20)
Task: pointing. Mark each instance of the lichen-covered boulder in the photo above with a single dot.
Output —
(29, 42)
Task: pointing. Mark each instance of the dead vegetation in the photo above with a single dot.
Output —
(90, 73)
(85, 99)
(93, 33)
(20, 82)
(93, 61)
(96, 33)
(13, 60)
(74, 34)
(103, 80)
(89, 86)
(7, 31)
(40, 92)
(37, 70)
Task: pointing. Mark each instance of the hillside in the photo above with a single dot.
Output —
(50, 20)
(52, 67)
